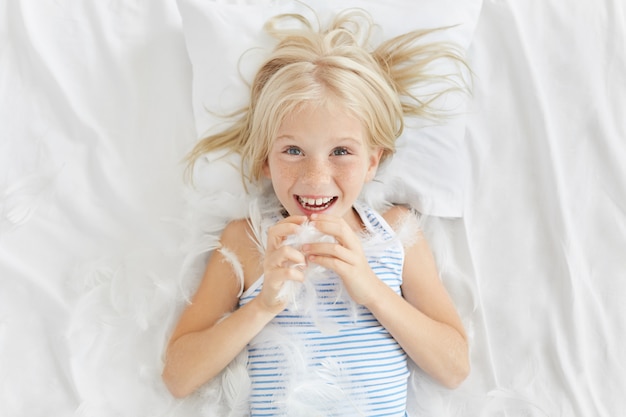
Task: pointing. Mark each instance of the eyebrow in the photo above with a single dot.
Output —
(339, 139)
(284, 137)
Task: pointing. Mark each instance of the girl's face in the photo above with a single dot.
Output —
(320, 161)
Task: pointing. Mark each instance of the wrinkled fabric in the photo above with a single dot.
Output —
(102, 245)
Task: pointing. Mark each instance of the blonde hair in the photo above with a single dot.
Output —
(313, 66)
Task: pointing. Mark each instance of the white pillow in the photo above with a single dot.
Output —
(225, 41)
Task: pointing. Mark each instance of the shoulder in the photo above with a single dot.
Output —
(406, 223)
(238, 239)
(400, 218)
(236, 231)
(395, 215)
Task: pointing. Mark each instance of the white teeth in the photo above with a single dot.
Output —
(315, 203)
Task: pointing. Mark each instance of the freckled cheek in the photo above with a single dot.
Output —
(284, 177)
(347, 174)
(285, 172)
(288, 174)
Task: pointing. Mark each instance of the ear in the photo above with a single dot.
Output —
(375, 156)
(266, 170)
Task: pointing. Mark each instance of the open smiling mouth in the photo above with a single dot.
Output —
(316, 204)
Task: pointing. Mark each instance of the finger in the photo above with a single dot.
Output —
(333, 250)
(276, 279)
(338, 265)
(294, 274)
(274, 286)
(278, 232)
(294, 219)
(337, 228)
(283, 256)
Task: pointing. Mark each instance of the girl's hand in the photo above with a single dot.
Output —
(345, 257)
(280, 263)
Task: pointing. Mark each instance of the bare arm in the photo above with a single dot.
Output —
(207, 337)
(423, 320)
(204, 342)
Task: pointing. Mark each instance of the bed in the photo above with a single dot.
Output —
(98, 108)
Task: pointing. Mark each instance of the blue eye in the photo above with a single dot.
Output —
(292, 150)
(340, 151)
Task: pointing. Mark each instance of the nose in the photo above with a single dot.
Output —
(315, 172)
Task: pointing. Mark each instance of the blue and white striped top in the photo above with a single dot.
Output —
(335, 359)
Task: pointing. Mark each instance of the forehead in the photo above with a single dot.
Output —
(326, 119)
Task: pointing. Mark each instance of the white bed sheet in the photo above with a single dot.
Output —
(95, 115)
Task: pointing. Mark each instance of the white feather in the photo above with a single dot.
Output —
(228, 394)
(322, 393)
(23, 198)
(231, 258)
(408, 228)
(295, 291)
(255, 220)
(311, 390)
(236, 385)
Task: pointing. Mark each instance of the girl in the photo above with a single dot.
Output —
(324, 112)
